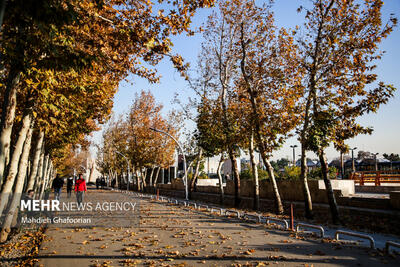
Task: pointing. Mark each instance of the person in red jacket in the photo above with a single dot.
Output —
(80, 188)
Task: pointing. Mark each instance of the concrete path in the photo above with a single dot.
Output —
(169, 235)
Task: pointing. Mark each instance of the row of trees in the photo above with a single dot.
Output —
(61, 63)
(258, 84)
(130, 140)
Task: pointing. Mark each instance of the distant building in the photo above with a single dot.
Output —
(91, 166)
(368, 164)
(311, 164)
(227, 167)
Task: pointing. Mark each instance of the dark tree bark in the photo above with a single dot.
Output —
(256, 196)
(306, 191)
(236, 178)
(196, 173)
(7, 119)
(328, 187)
(221, 186)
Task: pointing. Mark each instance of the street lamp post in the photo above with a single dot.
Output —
(376, 161)
(184, 159)
(352, 159)
(294, 157)
(129, 169)
(341, 164)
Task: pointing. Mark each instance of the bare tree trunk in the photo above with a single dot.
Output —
(91, 172)
(304, 169)
(236, 178)
(139, 180)
(38, 178)
(306, 191)
(270, 170)
(151, 177)
(13, 209)
(28, 171)
(196, 172)
(115, 177)
(43, 176)
(156, 177)
(109, 178)
(7, 119)
(119, 179)
(189, 167)
(221, 186)
(47, 171)
(144, 177)
(49, 176)
(13, 168)
(328, 186)
(341, 164)
(255, 173)
(36, 159)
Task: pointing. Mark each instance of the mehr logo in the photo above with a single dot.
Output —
(54, 205)
(40, 205)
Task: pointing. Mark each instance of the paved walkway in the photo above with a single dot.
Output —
(169, 235)
(371, 195)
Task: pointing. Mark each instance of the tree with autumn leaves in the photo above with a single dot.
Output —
(252, 98)
(315, 80)
(338, 54)
(61, 63)
(148, 151)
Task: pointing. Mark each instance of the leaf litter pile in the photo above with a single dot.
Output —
(22, 248)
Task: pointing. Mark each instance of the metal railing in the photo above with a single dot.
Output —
(391, 244)
(249, 216)
(305, 225)
(192, 204)
(199, 206)
(376, 177)
(218, 209)
(227, 212)
(371, 240)
(277, 220)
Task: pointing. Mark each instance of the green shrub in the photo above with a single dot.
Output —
(202, 175)
(248, 174)
(316, 173)
(291, 173)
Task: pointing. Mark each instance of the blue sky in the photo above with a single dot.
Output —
(386, 123)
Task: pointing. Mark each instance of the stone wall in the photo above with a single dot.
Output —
(288, 189)
(207, 182)
(377, 189)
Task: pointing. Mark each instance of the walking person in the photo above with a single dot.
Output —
(102, 182)
(57, 186)
(70, 184)
(97, 183)
(80, 188)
